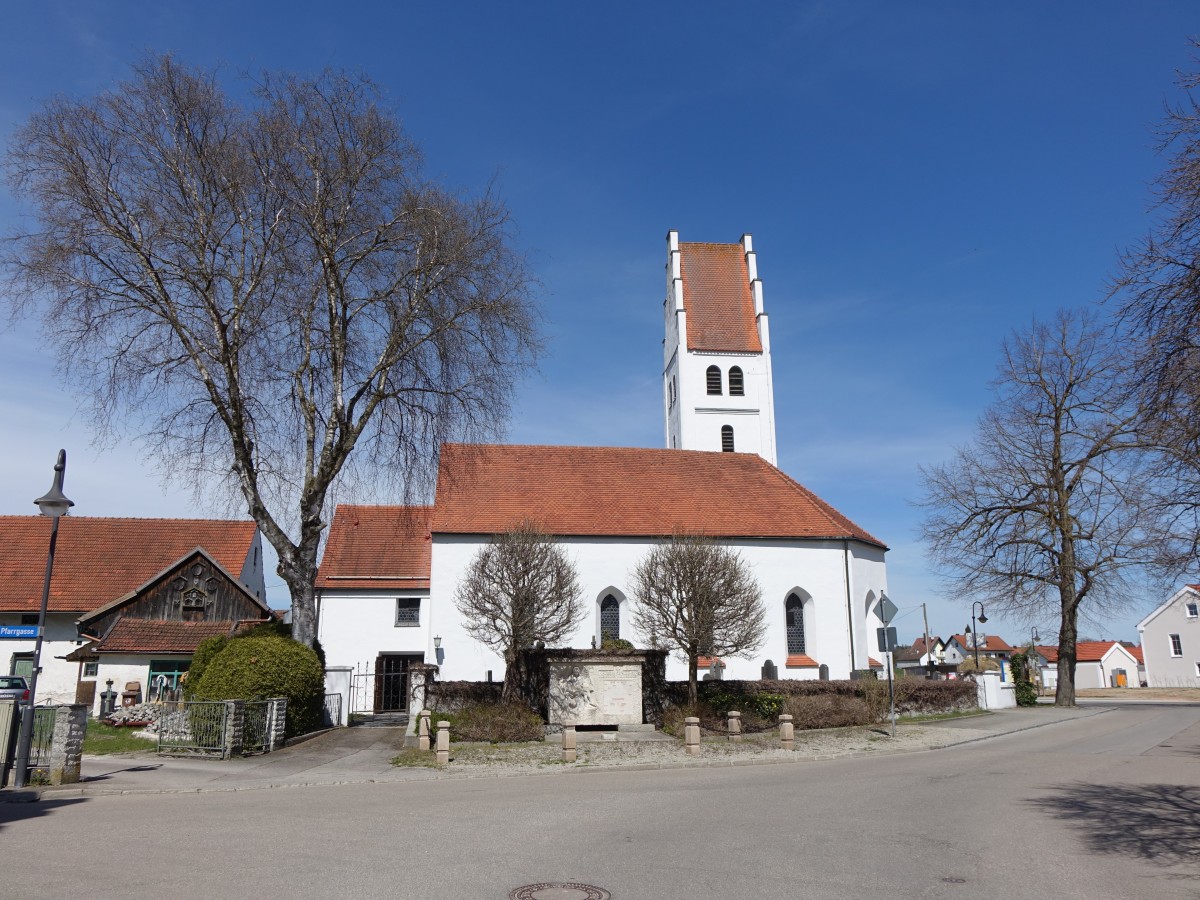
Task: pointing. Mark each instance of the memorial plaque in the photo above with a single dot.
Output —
(596, 692)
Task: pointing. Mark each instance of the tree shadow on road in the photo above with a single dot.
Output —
(1157, 822)
(25, 805)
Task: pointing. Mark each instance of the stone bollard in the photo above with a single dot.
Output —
(443, 743)
(423, 729)
(735, 725)
(691, 735)
(568, 743)
(787, 734)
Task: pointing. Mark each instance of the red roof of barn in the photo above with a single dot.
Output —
(98, 560)
(377, 547)
(625, 491)
(1089, 651)
(158, 636)
(717, 298)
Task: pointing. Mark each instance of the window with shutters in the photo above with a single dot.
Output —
(610, 619)
(726, 438)
(737, 387)
(713, 376)
(794, 610)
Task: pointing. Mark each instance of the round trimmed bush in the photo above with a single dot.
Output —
(263, 666)
(205, 651)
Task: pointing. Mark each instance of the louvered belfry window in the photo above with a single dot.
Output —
(713, 374)
(737, 387)
(610, 618)
(794, 608)
(726, 438)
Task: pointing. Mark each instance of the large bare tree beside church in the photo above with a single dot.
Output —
(1053, 506)
(267, 290)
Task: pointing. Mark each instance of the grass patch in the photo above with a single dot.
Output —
(411, 757)
(102, 739)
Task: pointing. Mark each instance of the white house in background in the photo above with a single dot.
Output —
(1098, 664)
(1170, 639)
(717, 385)
(106, 563)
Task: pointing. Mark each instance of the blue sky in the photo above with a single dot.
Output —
(919, 179)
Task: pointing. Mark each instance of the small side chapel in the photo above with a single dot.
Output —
(389, 576)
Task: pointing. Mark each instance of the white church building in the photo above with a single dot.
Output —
(390, 573)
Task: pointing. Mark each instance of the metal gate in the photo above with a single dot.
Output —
(256, 727)
(193, 728)
(384, 690)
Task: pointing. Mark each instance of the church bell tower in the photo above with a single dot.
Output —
(717, 391)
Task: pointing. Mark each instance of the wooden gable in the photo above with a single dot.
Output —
(195, 589)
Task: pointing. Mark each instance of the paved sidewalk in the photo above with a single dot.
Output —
(363, 756)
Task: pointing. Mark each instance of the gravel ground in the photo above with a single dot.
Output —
(466, 758)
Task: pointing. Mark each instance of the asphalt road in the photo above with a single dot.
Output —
(1105, 806)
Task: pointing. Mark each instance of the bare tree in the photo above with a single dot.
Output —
(698, 597)
(1052, 506)
(1158, 292)
(520, 589)
(268, 292)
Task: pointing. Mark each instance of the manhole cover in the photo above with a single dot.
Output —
(553, 890)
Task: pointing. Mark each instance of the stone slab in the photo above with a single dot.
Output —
(596, 692)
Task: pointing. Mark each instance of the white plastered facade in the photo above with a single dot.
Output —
(839, 630)
(1157, 634)
(356, 626)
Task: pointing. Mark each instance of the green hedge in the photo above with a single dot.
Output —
(263, 666)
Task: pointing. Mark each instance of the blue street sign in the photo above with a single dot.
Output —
(18, 632)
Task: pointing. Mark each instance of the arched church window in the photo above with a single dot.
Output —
(794, 610)
(737, 387)
(610, 619)
(726, 438)
(713, 374)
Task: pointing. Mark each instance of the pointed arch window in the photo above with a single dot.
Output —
(610, 619)
(726, 438)
(794, 610)
(713, 376)
(737, 386)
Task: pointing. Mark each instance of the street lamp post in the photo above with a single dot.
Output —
(975, 629)
(54, 505)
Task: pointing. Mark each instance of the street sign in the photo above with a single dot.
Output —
(887, 609)
(18, 632)
(886, 638)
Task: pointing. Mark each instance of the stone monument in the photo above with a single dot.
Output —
(595, 690)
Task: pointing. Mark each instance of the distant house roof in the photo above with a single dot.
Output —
(98, 560)
(919, 644)
(717, 298)
(626, 491)
(990, 643)
(384, 547)
(1088, 651)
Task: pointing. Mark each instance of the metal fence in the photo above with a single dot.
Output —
(333, 710)
(43, 736)
(194, 728)
(256, 727)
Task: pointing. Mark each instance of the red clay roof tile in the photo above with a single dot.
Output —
(377, 547)
(159, 636)
(800, 661)
(627, 491)
(98, 560)
(717, 298)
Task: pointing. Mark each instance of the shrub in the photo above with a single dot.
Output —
(261, 667)
(496, 723)
(205, 651)
(828, 711)
(610, 645)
